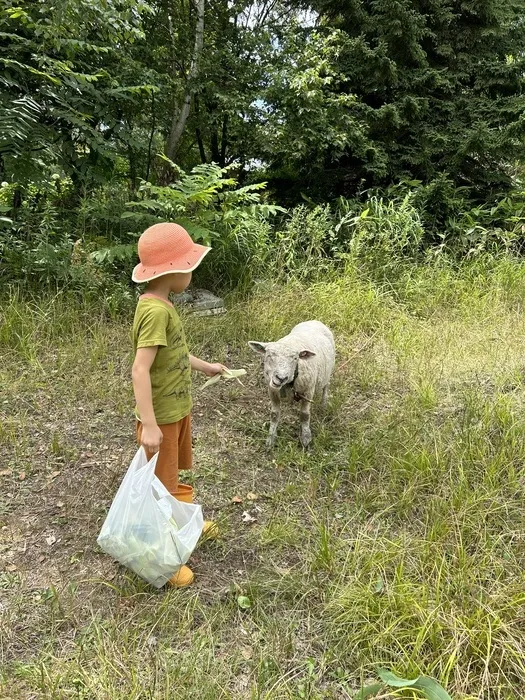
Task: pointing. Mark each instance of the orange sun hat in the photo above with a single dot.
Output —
(166, 248)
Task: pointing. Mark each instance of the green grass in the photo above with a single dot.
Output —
(398, 541)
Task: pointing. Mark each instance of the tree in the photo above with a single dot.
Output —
(401, 88)
(217, 68)
(179, 121)
(63, 96)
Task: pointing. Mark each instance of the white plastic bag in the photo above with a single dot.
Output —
(147, 529)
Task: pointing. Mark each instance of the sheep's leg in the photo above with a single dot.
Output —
(306, 434)
(275, 416)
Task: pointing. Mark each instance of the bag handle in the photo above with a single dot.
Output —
(153, 461)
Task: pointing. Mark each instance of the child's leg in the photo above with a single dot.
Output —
(185, 443)
(210, 529)
(171, 456)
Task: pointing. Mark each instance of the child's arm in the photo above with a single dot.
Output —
(208, 368)
(151, 433)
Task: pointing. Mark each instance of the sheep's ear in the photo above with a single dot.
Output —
(305, 354)
(258, 347)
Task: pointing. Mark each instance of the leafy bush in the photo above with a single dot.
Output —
(444, 220)
(306, 244)
(205, 202)
(301, 244)
(40, 228)
(49, 238)
(208, 203)
(384, 232)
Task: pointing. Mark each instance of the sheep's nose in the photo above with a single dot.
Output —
(280, 379)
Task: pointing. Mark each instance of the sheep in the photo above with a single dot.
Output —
(302, 361)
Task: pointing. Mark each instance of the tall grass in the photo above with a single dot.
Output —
(398, 541)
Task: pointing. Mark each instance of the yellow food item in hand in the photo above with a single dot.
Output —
(227, 374)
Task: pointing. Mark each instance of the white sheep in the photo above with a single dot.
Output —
(302, 361)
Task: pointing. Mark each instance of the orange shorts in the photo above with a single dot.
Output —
(175, 453)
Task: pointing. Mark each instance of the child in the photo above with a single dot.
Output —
(162, 367)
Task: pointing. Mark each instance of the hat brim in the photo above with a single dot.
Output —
(186, 263)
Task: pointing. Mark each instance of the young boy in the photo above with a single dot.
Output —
(162, 367)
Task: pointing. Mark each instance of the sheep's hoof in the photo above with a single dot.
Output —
(270, 442)
(306, 440)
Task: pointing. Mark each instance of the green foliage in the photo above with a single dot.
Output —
(418, 88)
(45, 244)
(412, 111)
(61, 100)
(305, 245)
(300, 244)
(314, 120)
(386, 230)
(205, 201)
(427, 687)
(453, 221)
(225, 124)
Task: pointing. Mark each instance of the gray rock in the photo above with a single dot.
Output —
(200, 301)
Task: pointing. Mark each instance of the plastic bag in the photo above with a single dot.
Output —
(147, 529)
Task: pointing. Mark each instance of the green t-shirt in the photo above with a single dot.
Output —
(157, 323)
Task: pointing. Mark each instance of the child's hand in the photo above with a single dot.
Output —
(214, 368)
(151, 438)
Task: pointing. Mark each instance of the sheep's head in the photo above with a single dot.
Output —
(280, 362)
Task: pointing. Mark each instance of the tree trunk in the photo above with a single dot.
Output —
(16, 203)
(201, 145)
(179, 121)
(198, 131)
(214, 146)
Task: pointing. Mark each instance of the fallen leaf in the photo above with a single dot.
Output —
(6, 472)
(22, 476)
(60, 504)
(379, 586)
(11, 567)
(41, 558)
(246, 653)
(236, 499)
(54, 475)
(247, 518)
(51, 540)
(430, 688)
(252, 496)
(244, 602)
